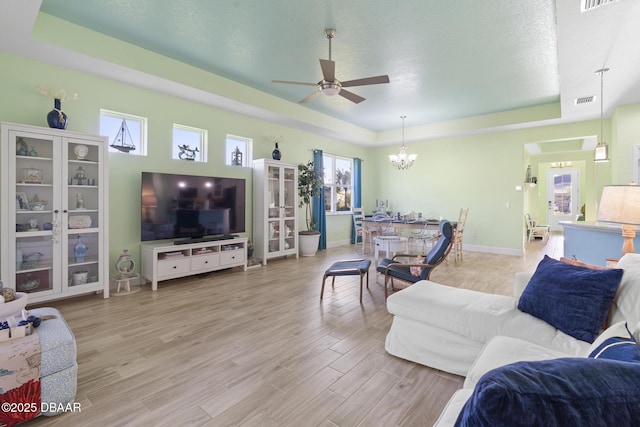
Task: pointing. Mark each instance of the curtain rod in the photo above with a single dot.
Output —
(318, 149)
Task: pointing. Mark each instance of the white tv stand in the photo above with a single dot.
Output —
(164, 261)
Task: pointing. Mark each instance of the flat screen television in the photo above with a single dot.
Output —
(176, 206)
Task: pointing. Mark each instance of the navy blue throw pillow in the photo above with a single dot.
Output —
(556, 393)
(571, 298)
(616, 343)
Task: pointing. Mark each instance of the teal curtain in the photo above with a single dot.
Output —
(317, 204)
(357, 192)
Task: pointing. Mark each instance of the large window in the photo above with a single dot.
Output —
(189, 143)
(337, 183)
(239, 151)
(127, 133)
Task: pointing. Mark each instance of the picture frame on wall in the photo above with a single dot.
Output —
(22, 202)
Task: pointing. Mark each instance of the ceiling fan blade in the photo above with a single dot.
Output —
(310, 97)
(294, 83)
(351, 96)
(328, 69)
(366, 81)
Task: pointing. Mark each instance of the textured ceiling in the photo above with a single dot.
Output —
(446, 60)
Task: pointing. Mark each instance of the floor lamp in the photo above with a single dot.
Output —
(620, 204)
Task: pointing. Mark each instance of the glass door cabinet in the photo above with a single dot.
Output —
(275, 206)
(53, 212)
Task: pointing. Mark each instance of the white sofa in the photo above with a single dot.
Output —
(470, 333)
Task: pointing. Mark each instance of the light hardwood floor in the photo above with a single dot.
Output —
(260, 348)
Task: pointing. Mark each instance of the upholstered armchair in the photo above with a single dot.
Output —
(419, 267)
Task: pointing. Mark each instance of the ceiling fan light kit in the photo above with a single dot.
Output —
(330, 89)
(329, 85)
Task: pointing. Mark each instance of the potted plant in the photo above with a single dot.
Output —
(309, 186)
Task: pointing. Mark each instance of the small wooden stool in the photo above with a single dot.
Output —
(350, 267)
(124, 280)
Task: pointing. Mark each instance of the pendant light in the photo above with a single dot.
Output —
(602, 149)
(403, 160)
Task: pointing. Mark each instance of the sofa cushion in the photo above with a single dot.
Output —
(627, 300)
(501, 350)
(574, 299)
(477, 316)
(616, 343)
(560, 392)
(450, 412)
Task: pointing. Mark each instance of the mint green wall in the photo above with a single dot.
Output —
(626, 125)
(18, 77)
(480, 172)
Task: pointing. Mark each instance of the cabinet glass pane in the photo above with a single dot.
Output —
(290, 187)
(289, 235)
(34, 261)
(274, 236)
(273, 191)
(83, 256)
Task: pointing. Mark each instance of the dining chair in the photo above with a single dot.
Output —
(420, 234)
(362, 231)
(458, 234)
(536, 230)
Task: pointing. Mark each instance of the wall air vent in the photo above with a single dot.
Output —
(585, 100)
(587, 5)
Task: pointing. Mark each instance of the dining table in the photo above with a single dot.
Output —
(401, 223)
(393, 234)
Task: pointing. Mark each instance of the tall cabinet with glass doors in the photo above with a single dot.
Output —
(54, 212)
(275, 209)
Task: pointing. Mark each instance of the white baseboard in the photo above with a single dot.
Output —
(338, 243)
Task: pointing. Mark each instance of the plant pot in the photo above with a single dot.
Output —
(308, 244)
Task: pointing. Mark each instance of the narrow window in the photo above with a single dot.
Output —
(127, 133)
(238, 151)
(189, 143)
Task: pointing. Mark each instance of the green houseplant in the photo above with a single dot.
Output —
(310, 184)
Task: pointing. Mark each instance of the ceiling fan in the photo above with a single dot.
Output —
(329, 85)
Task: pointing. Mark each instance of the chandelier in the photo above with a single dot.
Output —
(602, 149)
(403, 160)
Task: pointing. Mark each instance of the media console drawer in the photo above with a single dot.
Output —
(205, 262)
(231, 257)
(174, 266)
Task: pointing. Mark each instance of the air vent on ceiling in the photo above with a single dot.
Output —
(587, 5)
(585, 99)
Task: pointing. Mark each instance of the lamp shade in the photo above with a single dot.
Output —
(620, 204)
(602, 152)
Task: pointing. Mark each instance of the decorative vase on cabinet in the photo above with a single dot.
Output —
(275, 209)
(276, 154)
(43, 226)
(57, 119)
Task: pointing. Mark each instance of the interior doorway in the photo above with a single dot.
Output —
(563, 196)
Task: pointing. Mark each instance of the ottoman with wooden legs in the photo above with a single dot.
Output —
(353, 267)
